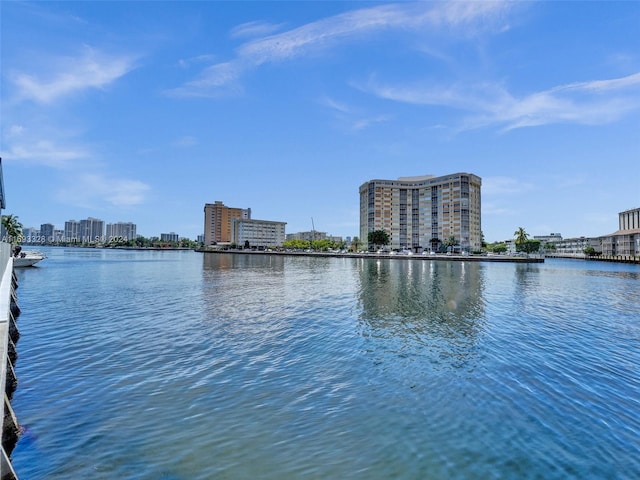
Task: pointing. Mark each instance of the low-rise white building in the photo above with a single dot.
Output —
(169, 237)
(258, 233)
(576, 246)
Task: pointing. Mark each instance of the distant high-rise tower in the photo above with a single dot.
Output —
(47, 233)
(423, 212)
(72, 231)
(218, 220)
(121, 231)
(92, 230)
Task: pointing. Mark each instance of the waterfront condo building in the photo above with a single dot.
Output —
(169, 237)
(423, 213)
(121, 231)
(626, 240)
(258, 233)
(90, 230)
(218, 222)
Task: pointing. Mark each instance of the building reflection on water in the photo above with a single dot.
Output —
(395, 306)
(430, 308)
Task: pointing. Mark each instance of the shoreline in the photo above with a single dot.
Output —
(451, 258)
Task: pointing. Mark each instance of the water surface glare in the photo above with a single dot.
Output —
(181, 365)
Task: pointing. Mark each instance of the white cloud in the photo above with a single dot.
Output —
(187, 62)
(216, 80)
(351, 117)
(254, 29)
(495, 209)
(126, 193)
(600, 86)
(366, 122)
(335, 105)
(15, 131)
(63, 76)
(498, 186)
(586, 103)
(323, 34)
(186, 141)
(45, 153)
(93, 190)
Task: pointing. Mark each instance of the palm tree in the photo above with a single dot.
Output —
(13, 229)
(521, 236)
(355, 242)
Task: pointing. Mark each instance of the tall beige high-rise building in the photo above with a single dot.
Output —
(218, 222)
(423, 212)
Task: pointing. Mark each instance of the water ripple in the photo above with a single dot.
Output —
(179, 365)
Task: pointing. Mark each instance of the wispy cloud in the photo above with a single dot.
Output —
(363, 123)
(216, 80)
(76, 163)
(496, 209)
(186, 141)
(254, 29)
(350, 116)
(62, 76)
(32, 149)
(499, 186)
(335, 105)
(327, 33)
(90, 190)
(587, 103)
(198, 59)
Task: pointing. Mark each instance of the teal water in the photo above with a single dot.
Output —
(181, 365)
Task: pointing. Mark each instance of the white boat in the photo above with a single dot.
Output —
(28, 258)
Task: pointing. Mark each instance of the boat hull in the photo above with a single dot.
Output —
(29, 260)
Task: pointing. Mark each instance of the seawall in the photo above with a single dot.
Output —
(9, 335)
(417, 257)
(598, 258)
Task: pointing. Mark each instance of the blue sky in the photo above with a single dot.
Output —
(144, 111)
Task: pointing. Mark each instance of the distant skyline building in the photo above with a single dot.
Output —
(72, 231)
(424, 212)
(169, 237)
(121, 230)
(258, 233)
(313, 235)
(47, 233)
(30, 235)
(551, 238)
(92, 230)
(218, 220)
(308, 236)
(574, 247)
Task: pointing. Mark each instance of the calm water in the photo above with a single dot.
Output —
(180, 365)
